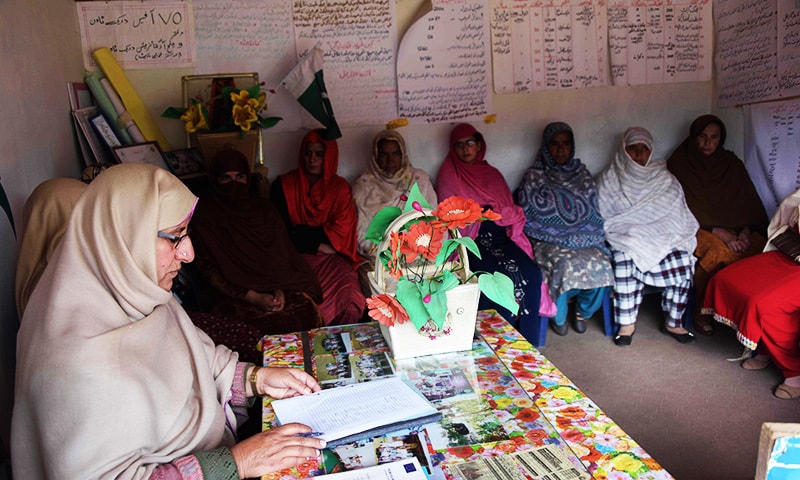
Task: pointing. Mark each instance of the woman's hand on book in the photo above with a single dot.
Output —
(282, 382)
(275, 449)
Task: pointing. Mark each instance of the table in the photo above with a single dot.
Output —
(530, 403)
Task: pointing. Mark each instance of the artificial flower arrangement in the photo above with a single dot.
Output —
(232, 110)
(420, 257)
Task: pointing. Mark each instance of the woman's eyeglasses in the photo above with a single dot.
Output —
(174, 239)
(468, 143)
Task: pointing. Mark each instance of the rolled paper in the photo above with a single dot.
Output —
(124, 119)
(133, 104)
(106, 106)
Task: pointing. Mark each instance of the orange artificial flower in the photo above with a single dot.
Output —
(458, 212)
(491, 215)
(386, 310)
(422, 239)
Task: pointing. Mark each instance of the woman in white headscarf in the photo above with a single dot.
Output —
(651, 232)
(113, 380)
(46, 214)
(386, 183)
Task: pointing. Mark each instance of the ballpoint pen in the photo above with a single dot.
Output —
(309, 434)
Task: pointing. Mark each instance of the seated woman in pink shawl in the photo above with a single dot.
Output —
(503, 244)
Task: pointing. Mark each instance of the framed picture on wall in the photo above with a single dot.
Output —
(185, 162)
(147, 152)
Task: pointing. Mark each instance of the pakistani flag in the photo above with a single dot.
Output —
(306, 83)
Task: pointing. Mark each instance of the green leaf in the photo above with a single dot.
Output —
(7, 207)
(450, 245)
(380, 222)
(270, 122)
(173, 112)
(410, 297)
(437, 288)
(254, 91)
(499, 289)
(415, 195)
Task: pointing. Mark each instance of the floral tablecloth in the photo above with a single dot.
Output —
(521, 401)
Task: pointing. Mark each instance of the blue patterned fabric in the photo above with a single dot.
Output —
(560, 201)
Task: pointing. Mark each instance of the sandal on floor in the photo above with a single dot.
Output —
(580, 323)
(560, 330)
(704, 325)
(759, 362)
(787, 392)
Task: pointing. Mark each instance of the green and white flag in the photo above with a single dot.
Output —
(306, 83)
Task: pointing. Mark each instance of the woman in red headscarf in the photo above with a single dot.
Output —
(503, 244)
(317, 207)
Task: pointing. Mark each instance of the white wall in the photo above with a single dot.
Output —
(41, 51)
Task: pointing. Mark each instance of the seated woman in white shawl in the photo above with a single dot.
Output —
(651, 232)
(113, 380)
(386, 183)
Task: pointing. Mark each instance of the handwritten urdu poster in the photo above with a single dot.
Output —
(360, 45)
(444, 64)
(655, 41)
(250, 36)
(548, 45)
(772, 149)
(758, 50)
(154, 34)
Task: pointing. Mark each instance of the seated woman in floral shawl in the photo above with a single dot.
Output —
(559, 197)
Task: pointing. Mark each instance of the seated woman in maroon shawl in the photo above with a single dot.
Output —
(318, 209)
(724, 201)
(261, 285)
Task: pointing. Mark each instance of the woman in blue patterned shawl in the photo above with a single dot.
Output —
(559, 197)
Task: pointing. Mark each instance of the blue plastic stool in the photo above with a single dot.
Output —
(536, 331)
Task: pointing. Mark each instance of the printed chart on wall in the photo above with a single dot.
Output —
(154, 34)
(548, 45)
(772, 149)
(758, 50)
(443, 64)
(656, 41)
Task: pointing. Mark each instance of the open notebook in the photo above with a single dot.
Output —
(788, 242)
(362, 410)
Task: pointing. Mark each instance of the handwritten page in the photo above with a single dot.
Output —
(655, 41)
(443, 64)
(758, 50)
(550, 46)
(772, 149)
(155, 34)
(250, 36)
(360, 44)
(343, 411)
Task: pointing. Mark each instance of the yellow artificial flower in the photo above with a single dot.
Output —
(194, 118)
(242, 98)
(244, 116)
(260, 103)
